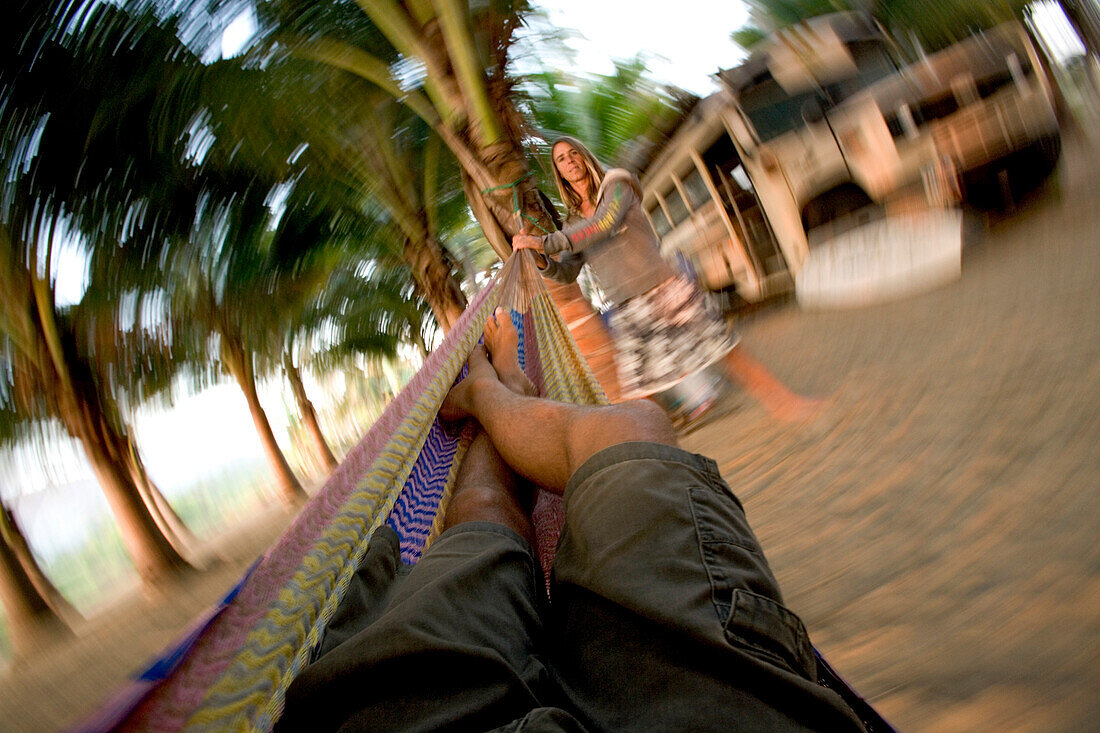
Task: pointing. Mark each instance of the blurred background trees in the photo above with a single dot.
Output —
(300, 202)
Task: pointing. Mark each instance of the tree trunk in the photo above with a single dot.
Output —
(239, 363)
(309, 415)
(162, 512)
(51, 361)
(431, 271)
(31, 621)
(153, 554)
(18, 543)
(108, 450)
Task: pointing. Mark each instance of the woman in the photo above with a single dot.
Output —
(661, 325)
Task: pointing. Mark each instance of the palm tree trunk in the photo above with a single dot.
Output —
(153, 554)
(239, 364)
(18, 542)
(31, 620)
(431, 271)
(48, 353)
(309, 415)
(85, 414)
(162, 512)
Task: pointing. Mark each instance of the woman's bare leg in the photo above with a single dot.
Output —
(765, 388)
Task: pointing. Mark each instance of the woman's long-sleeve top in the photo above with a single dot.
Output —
(617, 242)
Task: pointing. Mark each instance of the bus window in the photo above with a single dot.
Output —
(676, 209)
(696, 190)
(873, 61)
(771, 110)
(739, 175)
(660, 221)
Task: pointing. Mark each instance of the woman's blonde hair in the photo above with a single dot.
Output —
(595, 169)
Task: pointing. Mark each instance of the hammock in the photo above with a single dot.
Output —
(232, 668)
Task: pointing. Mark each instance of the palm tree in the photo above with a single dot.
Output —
(366, 304)
(614, 114)
(29, 600)
(348, 148)
(49, 377)
(77, 159)
(392, 157)
(223, 296)
(428, 56)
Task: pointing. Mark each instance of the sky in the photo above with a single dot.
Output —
(683, 47)
(686, 41)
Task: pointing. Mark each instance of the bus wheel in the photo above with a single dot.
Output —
(1000, 185)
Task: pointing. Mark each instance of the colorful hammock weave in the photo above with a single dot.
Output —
(232, 670)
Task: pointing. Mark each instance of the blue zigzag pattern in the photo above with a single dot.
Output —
(517, 321)
(414, 511)
(415, 508)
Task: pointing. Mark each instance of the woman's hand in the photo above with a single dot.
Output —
(523, 240)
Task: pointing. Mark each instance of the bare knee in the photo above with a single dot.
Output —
(487, 503)
(627, 422)
(648, 421)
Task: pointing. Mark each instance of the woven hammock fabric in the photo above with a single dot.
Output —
(232, 670)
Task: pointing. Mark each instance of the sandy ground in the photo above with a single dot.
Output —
(68, 681)
(935, 526)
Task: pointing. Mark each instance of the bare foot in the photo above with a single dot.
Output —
(459, 402)
(797, 409)
(502, 343)
(765, 387)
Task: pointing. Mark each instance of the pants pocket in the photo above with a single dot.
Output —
(769, 631)
(744, 591)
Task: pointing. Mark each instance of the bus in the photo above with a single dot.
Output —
(824, 128)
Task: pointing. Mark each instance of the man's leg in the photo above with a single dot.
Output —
(457, 643)
(665, 614)
(543, 440)
(487, 490)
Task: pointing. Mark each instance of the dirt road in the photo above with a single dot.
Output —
(936, 527)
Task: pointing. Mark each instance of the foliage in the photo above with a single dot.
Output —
(607, 112)
(933, 24)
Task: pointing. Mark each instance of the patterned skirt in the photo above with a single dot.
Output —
(665, 334)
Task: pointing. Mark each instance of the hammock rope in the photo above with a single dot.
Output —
(516, 210)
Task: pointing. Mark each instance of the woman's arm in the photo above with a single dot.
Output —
(611, 210)
(565, 268)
